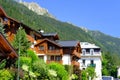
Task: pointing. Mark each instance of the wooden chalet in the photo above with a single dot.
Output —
(49, 51)
(6, 51)
(47, 46)
(64, 52)
(71, 52)
(11, 26)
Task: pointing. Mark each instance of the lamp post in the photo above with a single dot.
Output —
(19, 54)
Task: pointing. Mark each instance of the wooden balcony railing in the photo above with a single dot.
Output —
(75, 63)
(76, 54)
(54, 52)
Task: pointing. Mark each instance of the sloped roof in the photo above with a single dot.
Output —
(53, 42)
(6, 49)
(2, 12)
(68, 43)
(55, 35)
(49, 34)
(88, 45)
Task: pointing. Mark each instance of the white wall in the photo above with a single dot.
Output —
(97, 61)
(66, 59)
(118, 72)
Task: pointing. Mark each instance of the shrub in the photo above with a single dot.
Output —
(6, 75)
(25, 60)
(40, 69)
(60, 69)
(33, 55)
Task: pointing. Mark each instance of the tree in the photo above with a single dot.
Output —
(2, 29)
(84, 75)
(21, 42)
(110, 63)
(89, 72)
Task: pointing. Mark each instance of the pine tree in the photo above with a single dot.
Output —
(21, 42)
(2, 29)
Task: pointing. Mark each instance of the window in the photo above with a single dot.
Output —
(83, 52)
(52, 57)
(92, 51)
(92, 62)
(41, 57)
(57, 58)
(41, 47)
(87, 50)
(97, 50)
(83, 61)
(51, 47)
(48, 57)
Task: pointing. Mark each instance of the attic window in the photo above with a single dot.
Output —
(5, 19)
(41, 47)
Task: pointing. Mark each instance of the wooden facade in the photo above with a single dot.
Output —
(6, 51)
(11, 26)
(41, 43)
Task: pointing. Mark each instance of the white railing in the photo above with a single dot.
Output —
(91, 54)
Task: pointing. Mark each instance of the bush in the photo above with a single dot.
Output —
(25, 60)
(60, 69)
(33, 55)
(6, 75)
(40, 69)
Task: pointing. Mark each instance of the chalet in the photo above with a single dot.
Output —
(71, 52)
(6, 51)
(11, 26)
(64, 52)
(46, 45)
(91, 56)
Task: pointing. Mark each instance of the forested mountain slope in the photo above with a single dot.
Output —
(65, 30)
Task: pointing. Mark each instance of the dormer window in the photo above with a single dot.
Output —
(91, 51)
(87, 51)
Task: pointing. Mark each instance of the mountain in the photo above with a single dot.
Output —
(109, 42)
(66, 31)
(37, 9)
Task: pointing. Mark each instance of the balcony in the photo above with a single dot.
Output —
(57, 52)
(75, 63)
(76, 54)
(91, 54)
(91, 65)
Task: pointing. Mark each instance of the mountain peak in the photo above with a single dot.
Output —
(36, 8)
(84, 29)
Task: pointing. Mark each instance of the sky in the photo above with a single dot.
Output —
(101, 15)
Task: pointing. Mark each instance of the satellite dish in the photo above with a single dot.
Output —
(41, 31)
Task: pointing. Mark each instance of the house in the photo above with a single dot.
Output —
(49, 51)
(11, 26)
(46, 45)
(91, 56)
(63, 52)
(7, 52)
(71, 52)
